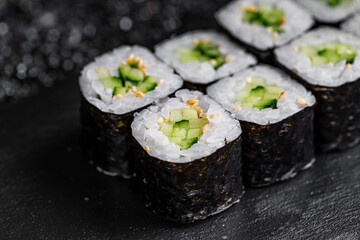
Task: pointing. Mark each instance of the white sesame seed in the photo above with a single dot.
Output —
(301, 102)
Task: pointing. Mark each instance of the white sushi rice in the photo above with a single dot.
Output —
(352, 25)
(204, 72)
(226, 89)
(325, 13)
(90, 85)
(324, 75)
(222, 129)
(297, 22)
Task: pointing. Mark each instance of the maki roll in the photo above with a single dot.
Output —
(327, 62)
(113, 87)
(276, 116)
(189, 157)
(201, 57)
(264, 24)
(352, 25)
(330, 11)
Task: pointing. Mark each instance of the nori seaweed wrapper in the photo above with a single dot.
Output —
(186, 192)
(196, 86)
(278, 151)
(107, 140)
(264, 56)
(337, 116)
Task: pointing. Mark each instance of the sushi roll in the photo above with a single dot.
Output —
(352, 25)
(330, 11)
(113, 87)
(327, 62)
(262, 25)
(276, 116)
(189, 157)
(201, 57)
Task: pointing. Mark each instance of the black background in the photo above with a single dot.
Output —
(49, 191)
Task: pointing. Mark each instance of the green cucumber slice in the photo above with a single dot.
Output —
(189, 113)
(182, 124)
(187, 143)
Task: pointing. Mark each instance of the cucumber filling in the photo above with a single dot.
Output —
(330, 53)
(132, 78)
(203, 51)
(338, 3)
(184, 127)
(265, 15)
(257, 94)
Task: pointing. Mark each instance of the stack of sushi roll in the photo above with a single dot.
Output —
(202, 57)
(113, 87)
(327, 61)
(189, 159)
(352, 25)
(262, 25)
(276, 115)
(331, 11)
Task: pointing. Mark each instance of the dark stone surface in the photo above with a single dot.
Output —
(42, 40)
(49, 191)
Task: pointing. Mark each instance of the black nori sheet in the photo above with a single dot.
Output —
(264, 56)
(196, 86)
(337, 114)
(278, 151)
(107, 140)
(186, 192)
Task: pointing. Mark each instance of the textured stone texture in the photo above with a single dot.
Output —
(49, 191)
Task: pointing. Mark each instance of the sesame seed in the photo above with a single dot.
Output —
(161, 81)
(139, 94)
(198, 110)
(251, 8)
(248, 79)
(160, 120)
(275, 36)
(213, 62)
(229, 59)
(206, 128)
(215, 115)
(193, 102)
(237, 108)
(348, 66)
(301, 102)
(131, 56)
(147, 148)
(118, 96)
(206, 40)
(331, 64)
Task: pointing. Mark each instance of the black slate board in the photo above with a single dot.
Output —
(49, 191)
